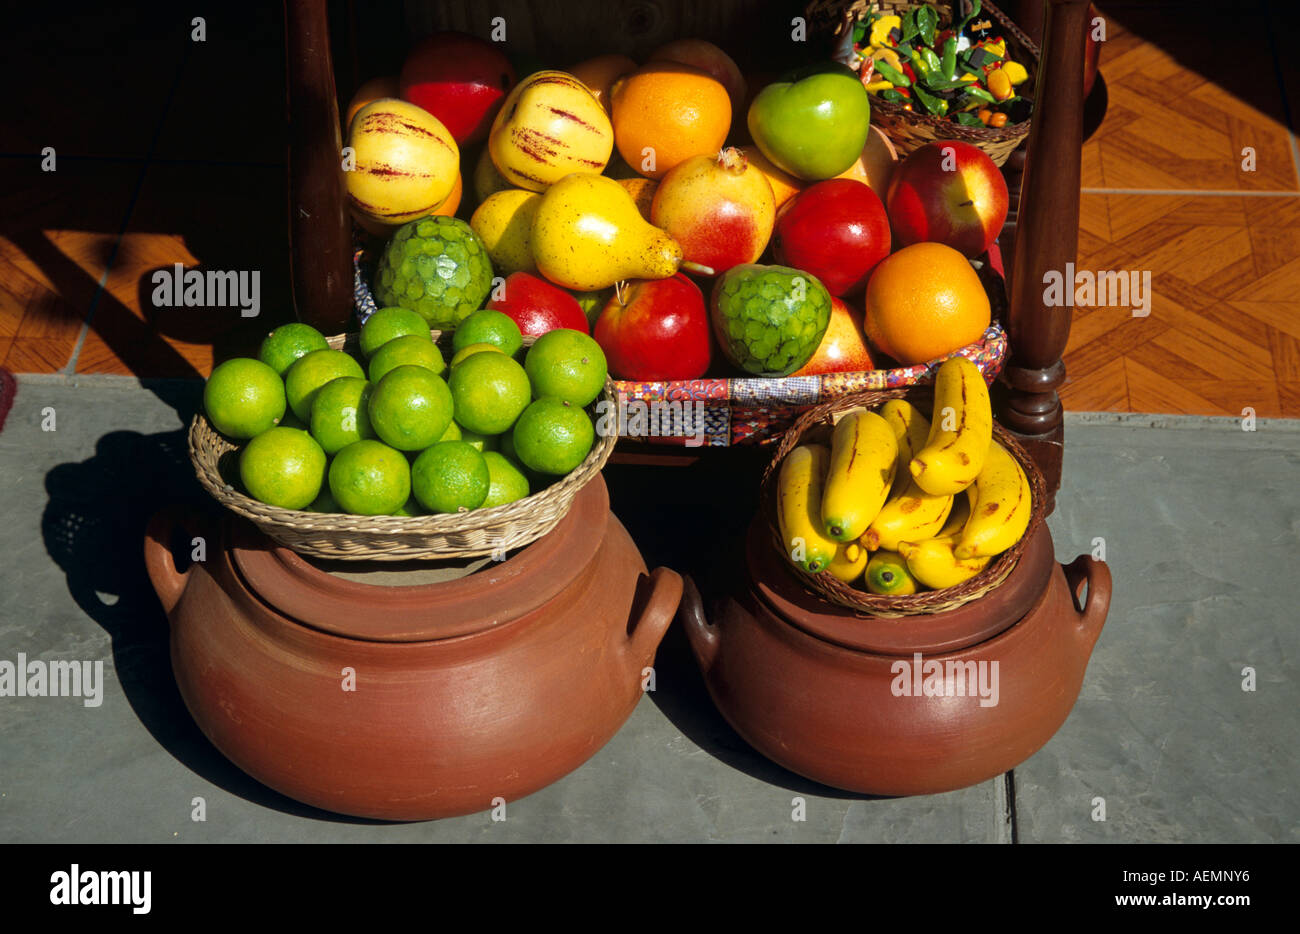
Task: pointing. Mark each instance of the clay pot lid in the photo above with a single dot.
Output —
(777, 583)
(437, 604)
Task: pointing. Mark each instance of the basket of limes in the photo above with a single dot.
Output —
(401, 443)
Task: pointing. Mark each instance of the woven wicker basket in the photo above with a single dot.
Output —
(908, 130)
(478, 532)
(815, 424)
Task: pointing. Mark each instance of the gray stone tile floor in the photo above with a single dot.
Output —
(1199, 520)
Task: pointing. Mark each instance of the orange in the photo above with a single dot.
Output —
(923, 302)
(642, 191)
(784, 187)
(373, 90)
(600, 73)
(674, 111)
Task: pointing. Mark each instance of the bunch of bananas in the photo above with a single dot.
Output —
(900, 502)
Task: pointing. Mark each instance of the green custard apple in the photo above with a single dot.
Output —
(769, 320)
(436, 266)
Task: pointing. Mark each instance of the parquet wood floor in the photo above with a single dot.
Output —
(1165, 192)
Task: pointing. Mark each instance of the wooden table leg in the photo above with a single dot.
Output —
(1046, 239)
(320, 237)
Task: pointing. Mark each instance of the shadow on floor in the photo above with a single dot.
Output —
(701, 534)
(93, 528)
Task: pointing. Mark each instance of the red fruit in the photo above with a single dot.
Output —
(837, 230)
(537, 306)
(719, 208)
(659, 330)
(843, 348)
(460, 79)
(947, 192)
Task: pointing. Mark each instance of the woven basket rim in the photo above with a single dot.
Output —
(826, 586)
(958, 131)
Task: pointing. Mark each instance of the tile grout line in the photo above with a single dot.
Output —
(1193, 192)
(70, 368)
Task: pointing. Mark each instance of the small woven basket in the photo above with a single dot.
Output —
(479, 532)
(908, 130)
(816, 424)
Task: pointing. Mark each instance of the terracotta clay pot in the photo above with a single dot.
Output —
(489, 686)
(820, 691)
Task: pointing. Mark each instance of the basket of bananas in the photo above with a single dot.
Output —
(891, 514)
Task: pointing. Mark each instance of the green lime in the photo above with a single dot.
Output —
(311, 372)
(450, 477)
(411, 507)
(283, 346)
(325, 502)
(411, 350)
(887, 573)
(388, 323)
(470, 350)
(480, 442)
(293, 421)
(568, 365)
(489, 327)
(506, 481)
(368, 478)
(593, 303)
(283, 467)
(410, 408)
(552, 436)
(338, 413)
(243, 398)
(490, 390)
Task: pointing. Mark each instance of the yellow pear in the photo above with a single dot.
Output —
(405, 162)
(487, 180)
(550, 126)
(504, 222)
(588, 234)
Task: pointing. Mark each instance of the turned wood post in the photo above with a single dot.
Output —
(1046, 238)
(320, 237)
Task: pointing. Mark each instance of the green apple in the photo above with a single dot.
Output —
(814, 122)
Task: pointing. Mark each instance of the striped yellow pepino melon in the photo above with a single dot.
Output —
(550, 126)
(405, 162)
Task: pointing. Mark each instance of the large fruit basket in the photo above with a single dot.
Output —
(494, 531)
(725, 411)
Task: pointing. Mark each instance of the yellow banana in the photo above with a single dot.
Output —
(960, 430)
(864, 456)
(887, 573)
(850, 561)
(961, 506)
(1000, 513)
(911, 428)
(798, 508)
(910, 516)
(933, 563)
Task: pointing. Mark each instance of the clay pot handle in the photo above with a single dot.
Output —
(702, 636)
(168, 582)
(1087, 569)
(658, 613)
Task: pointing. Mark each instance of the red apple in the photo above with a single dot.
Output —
(658, 330)
(843, 348)
(537, 306)
(948, 192)
(837, 230)
(460, 79)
